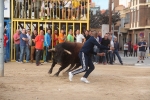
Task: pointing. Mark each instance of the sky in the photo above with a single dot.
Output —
(102, 3)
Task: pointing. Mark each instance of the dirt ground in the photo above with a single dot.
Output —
(29, 82)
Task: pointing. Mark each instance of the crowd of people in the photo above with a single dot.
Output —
(141, 47)
(55, 9)
(34, 46)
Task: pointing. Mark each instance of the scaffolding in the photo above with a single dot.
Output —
(52, 14)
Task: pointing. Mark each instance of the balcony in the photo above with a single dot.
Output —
(127, 26)
(123, 30)
(50, 10)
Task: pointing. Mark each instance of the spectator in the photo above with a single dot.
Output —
(96, 49)
(75, 9)
(39, 40)
(87, 36)
(106, 42)
(79, 37)
(17, 44)
(33, 45)
(55, 37)
(135, 47)
(141, 46)
(36, 8)
(110, 51)
(5, 43)
(130, 48)
(83, 10)
(116, 47)
(126, 49)
(100, 51)
(66, 9)
(49, 9)
(23, 46)
(42, 9)
(70, 37)
(28, 43)
(61, 37)
(47, 44)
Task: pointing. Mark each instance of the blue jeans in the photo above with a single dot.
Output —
(17, 47)
(96, 57)
(24, 49)
(117, 54)
(5, 58)
(106, 57)
(111, 57)
(27, 53)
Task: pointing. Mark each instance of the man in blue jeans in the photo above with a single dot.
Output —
(116, 47)
(23, 46)
(47, 43)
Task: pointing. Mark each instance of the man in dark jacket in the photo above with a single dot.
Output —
(85, 57)
(116, 47)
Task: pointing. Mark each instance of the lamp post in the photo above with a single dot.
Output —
(1, 38)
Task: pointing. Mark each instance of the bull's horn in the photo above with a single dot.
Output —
(67, 51)
(53, 49)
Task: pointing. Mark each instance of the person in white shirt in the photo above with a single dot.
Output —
(28, 44)
(42, 9)
(79, 37)
(126, 49)
(49, 9)
(67, 7)
(110, 51)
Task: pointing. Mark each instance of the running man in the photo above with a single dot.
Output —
(85, 58)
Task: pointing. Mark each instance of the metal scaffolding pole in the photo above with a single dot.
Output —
(1, 38)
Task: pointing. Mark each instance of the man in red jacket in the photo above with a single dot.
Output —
(39, 40)
(5, 43)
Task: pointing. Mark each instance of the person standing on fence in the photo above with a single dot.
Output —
(5, 44)
(47, 44)
(17, 45)
(39, 40)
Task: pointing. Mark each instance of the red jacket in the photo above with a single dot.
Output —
(5, 40)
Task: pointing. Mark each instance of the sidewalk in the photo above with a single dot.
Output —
(133, 61)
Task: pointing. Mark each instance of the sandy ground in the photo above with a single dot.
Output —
(29, 82)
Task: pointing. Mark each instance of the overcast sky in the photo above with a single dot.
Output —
(102, 3)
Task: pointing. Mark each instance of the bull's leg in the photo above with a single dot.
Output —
(71, 66)
(60, 69)
(52, 66)
(77, 66)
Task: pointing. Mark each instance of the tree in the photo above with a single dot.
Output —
(102, 18)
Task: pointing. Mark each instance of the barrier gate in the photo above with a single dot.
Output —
(33, 15)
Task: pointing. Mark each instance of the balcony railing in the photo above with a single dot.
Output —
(50, 9)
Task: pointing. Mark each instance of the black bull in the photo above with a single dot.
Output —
(65, 54)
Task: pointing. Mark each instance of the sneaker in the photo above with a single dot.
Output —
(17, 61)
(70, 76)
(137, 61)
(45, 62)
(121, 63)
(21, 62)
(84, 80)
(27, 61)
(142, 62)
